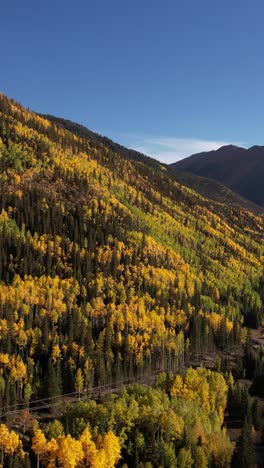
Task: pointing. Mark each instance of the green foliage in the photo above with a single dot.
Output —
(184, 459)
(110, 270)
(54, 429)
(155, 427)
(200, 458)
(244, 454)
(256, 415)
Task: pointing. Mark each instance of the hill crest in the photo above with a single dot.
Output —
(240, 169)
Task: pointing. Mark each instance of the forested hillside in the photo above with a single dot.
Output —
(110, 270)
(208, 188)
(215, 190)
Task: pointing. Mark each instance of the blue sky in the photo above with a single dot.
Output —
(169, 78)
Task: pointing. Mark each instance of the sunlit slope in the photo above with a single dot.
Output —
(208, 188)
(126, 267)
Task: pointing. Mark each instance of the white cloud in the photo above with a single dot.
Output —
(166, 149)
(169, 149)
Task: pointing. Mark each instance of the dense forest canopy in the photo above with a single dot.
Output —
(110, 270)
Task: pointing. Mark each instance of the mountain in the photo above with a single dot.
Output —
(213, 190)
(206, 187)
(240, 169)
(77, 209)
(112, 271)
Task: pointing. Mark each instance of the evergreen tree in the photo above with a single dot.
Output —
(54, 382)
(244, 454)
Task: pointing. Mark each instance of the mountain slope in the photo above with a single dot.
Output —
(84, 132)
(206, 187)
(240, 169)
(111, 270)
(107, 262)
(216, 191)
(75, 176)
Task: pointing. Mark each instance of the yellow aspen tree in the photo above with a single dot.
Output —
(70, 452)
(177, 387)
(56, 353)
(89, 448)
(78, 382)
(9, 442)
(18, 373)
(111, 446)
(52, 452)
(101, 460)
(39, 445)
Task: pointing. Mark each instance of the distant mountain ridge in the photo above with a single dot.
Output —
(240, 169)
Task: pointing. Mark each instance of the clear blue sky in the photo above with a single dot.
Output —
(168, 77)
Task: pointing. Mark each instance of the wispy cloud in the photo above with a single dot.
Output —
(169, 149)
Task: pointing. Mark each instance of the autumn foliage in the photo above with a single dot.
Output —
(111, 270)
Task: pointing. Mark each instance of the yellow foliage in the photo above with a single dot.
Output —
(9, 440)
(52, 450)
(39, 444)
(111, 446)
(70, 452)
(89, 448)
(56, 353)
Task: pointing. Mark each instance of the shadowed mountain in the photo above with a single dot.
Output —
(215, 191)
(240, 169)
